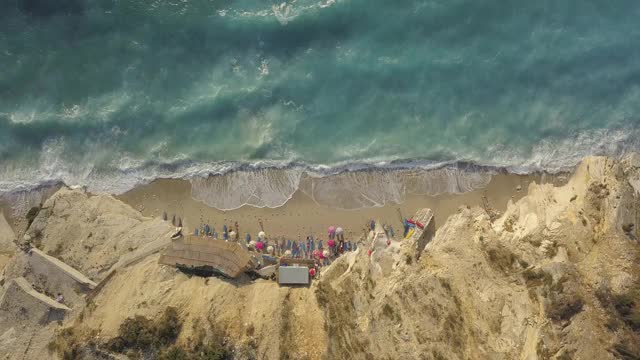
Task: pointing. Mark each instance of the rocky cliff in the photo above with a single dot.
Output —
(555, 277)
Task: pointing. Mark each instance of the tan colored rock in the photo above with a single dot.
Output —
(525, 286)
(93, 233)
(7, 236)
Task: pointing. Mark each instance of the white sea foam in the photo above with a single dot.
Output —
(373, 188)
(265, 183)
(259, 188)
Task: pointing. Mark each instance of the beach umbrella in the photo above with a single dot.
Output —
(339, 230)
(312, 272)
(331, 243)
(326, 253)
(287, 254)
(262, 235)
(270, 249)
(232, 235)
(259, 245)
(332, 229)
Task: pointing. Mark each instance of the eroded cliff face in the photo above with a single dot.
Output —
(555, 277)
(548, 279)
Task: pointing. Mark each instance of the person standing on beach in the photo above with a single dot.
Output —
(308, 247)
(331, 243)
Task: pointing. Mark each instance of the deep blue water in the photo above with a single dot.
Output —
(110, 93)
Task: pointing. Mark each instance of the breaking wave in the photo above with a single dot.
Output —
(229, 185)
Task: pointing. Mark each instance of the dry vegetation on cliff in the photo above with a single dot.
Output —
(557, 276)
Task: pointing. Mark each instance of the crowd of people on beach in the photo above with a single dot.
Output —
(322, 252)
(309, 248)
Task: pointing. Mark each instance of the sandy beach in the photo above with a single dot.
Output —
(301, 216)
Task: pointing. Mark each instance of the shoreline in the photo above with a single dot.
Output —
(301, 215)
(127, 178)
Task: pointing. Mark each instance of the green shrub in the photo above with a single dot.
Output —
(625, 352)
(66, 344)
(168, 327)
(73, 344)
(622, 308)
(211, 351)
(142, 334)
(537, 277)
(173, 353)
(628, 307)
(564, 308)
(137, 332)
(139, 335)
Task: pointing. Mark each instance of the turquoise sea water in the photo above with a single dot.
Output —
(113, 93)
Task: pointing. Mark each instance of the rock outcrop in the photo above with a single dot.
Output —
(535, 284)
(7, 236)
(555, 277)
(93, 233)
(76, 241)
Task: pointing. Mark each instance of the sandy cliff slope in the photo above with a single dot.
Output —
(540, 282)
(555, 277)
(91, 235)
